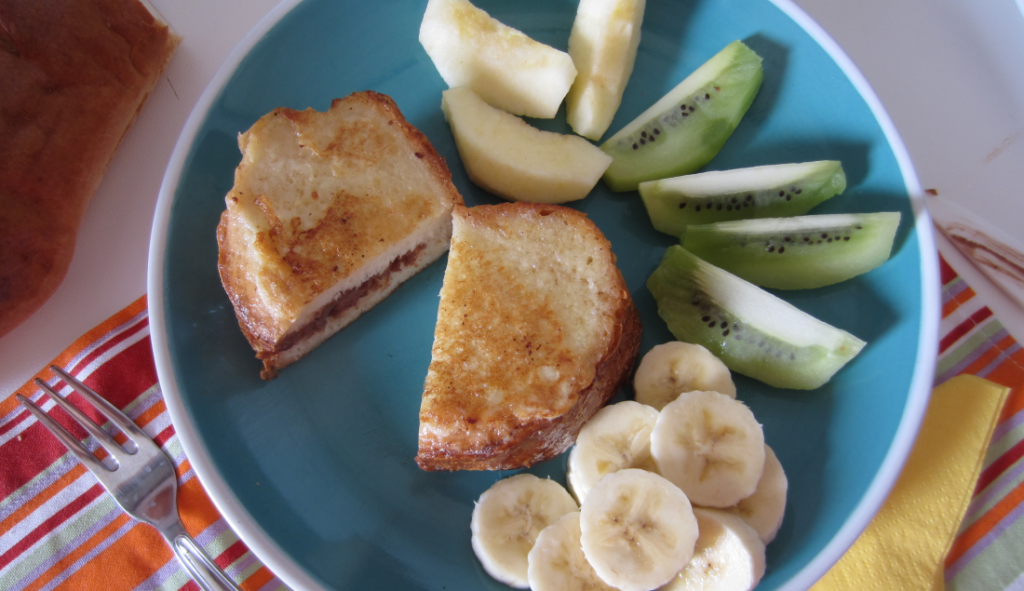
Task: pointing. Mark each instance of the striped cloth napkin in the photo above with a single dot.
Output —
(60, 530)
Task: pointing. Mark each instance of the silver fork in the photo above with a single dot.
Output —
(141, 478)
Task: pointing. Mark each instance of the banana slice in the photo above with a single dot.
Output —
(637, 529)
(710, 446)
(615, 438)
(765, 509)
(507, 519)
(672, 368)
(729, 556)
(557, 562)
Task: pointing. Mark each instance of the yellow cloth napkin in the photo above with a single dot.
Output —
(904, 547)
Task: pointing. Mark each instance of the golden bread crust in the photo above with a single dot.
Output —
(324, 204)
(536, 331)
(74, 75)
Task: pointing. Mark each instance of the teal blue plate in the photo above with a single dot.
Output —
(315, 469)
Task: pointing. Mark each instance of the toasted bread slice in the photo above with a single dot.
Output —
(329, 213)
(536, 330)
(73, 76)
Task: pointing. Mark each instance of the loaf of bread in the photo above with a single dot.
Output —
(330, 212)
(535, 331)
(73, 76)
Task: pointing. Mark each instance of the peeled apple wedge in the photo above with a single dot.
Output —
(504, 66)
(603, 45)
(512, 159)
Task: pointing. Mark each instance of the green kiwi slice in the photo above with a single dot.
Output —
(687, 127)
(775, 190)
(752, 331)
(798, 252)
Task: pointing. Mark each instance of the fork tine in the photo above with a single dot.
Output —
(113, 414)
(84, 421)
(70, 441)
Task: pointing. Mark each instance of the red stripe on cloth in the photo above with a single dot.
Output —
(963, 328)
(126, 376)
(231, 554)
(946, 272)
(127, 332)
(999, 466)
(1013, 373)
(162, 437)
(24, 457)
(19, 511)
(16, 420)
(121, 391)
(111, 380)
(52, 523)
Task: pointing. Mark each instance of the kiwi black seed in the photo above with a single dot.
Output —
(797, 252)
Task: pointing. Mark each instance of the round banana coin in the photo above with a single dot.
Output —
(729, 556)
(669, 369)
(637, 529)
(557, 562)
(617, 437)
(765, 509)
(507, 519)
(710, 446)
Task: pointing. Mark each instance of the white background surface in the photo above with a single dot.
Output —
(950, 73)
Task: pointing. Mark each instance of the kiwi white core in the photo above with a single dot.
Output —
(767, 313)
(700, 77)
(719, 182)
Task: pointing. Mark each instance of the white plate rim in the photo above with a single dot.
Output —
(293, 575)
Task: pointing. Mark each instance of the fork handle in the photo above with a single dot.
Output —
(197, 562)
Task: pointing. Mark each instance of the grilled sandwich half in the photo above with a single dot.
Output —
(536, 330)
(329, 213)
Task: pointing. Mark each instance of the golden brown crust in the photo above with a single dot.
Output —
(74, 75)
(516, 370)
(540, 439)
(294, 246)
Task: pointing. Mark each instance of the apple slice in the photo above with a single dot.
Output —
(603, 44)
(512, 159)
(505, 67)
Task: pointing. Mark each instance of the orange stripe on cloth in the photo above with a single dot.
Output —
(73, 474)
(977, 530)
(196, 509)
(1009, 372)
(1014, 403)
(151, 413)
(198, 513)
(109, 570)
(182, 468)
(261, 577)
(64, 563)
(957, 301)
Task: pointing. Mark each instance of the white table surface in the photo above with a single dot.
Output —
(950, 73)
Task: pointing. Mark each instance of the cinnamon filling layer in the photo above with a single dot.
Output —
(345, 301)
